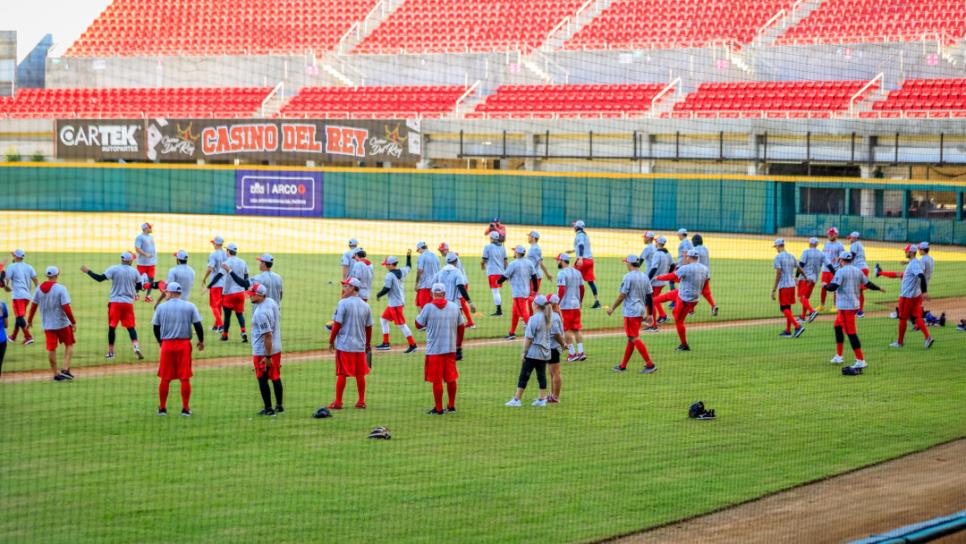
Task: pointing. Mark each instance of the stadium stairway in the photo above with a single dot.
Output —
(572, 24)
(362, 29)
(799, 11)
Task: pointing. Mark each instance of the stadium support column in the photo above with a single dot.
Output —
(645, 150)
(530, 163)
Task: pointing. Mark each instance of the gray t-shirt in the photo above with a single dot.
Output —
(273, 285)
(176, 317)
(660, 264)
(812, 262)
(635, 287)
(683, 248)
(124, 279)
(145, 242)
(928, 265)
(52, 316)
(20, 275)
(556, 327)
(494, 255)
(347, 259)
(440, 325)
(354, 315)
(535, 256)
(832, 250)
(451, 278)
(184, 276)
(428, 265)
(703, 257)
(266, 318)
(240, 268)
(646, 256)
(786, 263)
(519, 274)
(581, 239)
(215, 259)
(538, 331)
(911, 286)
(395, 285)
(693, 277)
(362, 272)
(571, 279)
(858, 250)
(850, 280)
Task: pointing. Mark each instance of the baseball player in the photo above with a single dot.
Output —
(172, 323)
(57, 320)
(3, 332)
(832, 249)
(362, 270)
(454, 281)
(19, 276)
(393, 287)
(846, 284)
(636, 294)
(786, 268)
(497, 227)
(267, 347)
(268, 279)
(427, 265)
(347, 257)
(351, 338)
(180, 273)
(584, 262)
(556, 348)
(912, 292)
(858, 261)
(535, 256)
(494, 262)
(147, 256)
(684, 245)
(569, 282)
(692, 277)
(537, 351)
(705, 259)
(523, 281)
(233, 293)
(215, 259)
(442, 321)
(648, 250)
(661, 264)
(928, 263)
(120, 307)
(444, 250)
(811, 264)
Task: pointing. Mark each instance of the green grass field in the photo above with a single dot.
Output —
(741, 288)
(89, 460)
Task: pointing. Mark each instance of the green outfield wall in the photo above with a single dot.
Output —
(881, 209)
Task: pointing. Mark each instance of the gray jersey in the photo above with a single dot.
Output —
(124, 279)
(494, 255)
(858, 250)
(266, 319)
(240, 268)
(635, 287)
(693, 277)
(646, 256)
(539, 333)
(395, 286)
(362, 272)
(273, 285)
(704, 258)
(215, 259)
(832, 250)
(911, 287)
(660, 264)
(52, 316)
(571, 279)
(683, 248)
(347, 259)
(145, 242)
(812, 261)
(850, 280)
(184, 275)
(176, 317)
(928, 265)
(786, 263)
(440, 325)
(20, 276)
(354, 315)
(519, 274)
(428, 265)
(582, 240)
(556, 327)
(451, 278)
(535, 256)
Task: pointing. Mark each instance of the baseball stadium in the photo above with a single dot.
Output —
(483, 271)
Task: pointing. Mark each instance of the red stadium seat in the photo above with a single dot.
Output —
(784, 96)
(925, 95)
(134, 102)
(365, 102)
(599, 100)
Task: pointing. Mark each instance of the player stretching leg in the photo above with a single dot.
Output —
(811, 268)
(705, 260)
(172, 323)
(537, 352)
(442, 321)
(846, 284)
(584, 262)
(635, 293)
(912, 293)
(661, 264)
(147, 256)
(120, 306)
(786, 267)
(233, 294)
(569, 281)
(494, 262)
(523, 282)
(393, 287)
(267, 347)
(691, 277)
(351, 338)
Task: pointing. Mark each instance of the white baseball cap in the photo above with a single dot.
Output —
(266, 258)
(540, 301)
(439, 287)
(173, 287)
(632, 259)
(353, 242)
(52, 271)
(923, 245)
(779, 242)
(854, 234)
(846, 255)
(181, 255)
(813, 241)
(420, 245)
(353, 282)
(145, 226)
(357, 250)
(218, 240)
(563, 257)
(232, 246)
(579, 224)
(451, 257)
(534, 234)
(18, 253)
(661, 240)
(127, 256)
(554, 299)
(693, 253)
(520, 250)
(649, 234)
(682, 231)
(390, 260)
(494, 235)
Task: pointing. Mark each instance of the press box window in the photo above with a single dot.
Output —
(932, 204)
(819, 200)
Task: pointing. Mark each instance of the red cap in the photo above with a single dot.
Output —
(833, 230)
(910, 248)
(443, 246)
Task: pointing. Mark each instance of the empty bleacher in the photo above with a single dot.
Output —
(135, 103)
(568, 101)
(459, 26)
(773, 99)
(218, 27)
(374, 102)
(874, 21)
(923, 98)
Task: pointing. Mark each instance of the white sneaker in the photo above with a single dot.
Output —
(860, 363)
(513, 403)
(895, 345)
(539, 403)
(837, 360)
(894, 315)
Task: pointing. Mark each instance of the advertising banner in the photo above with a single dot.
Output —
(100, 139)
(282, 193)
